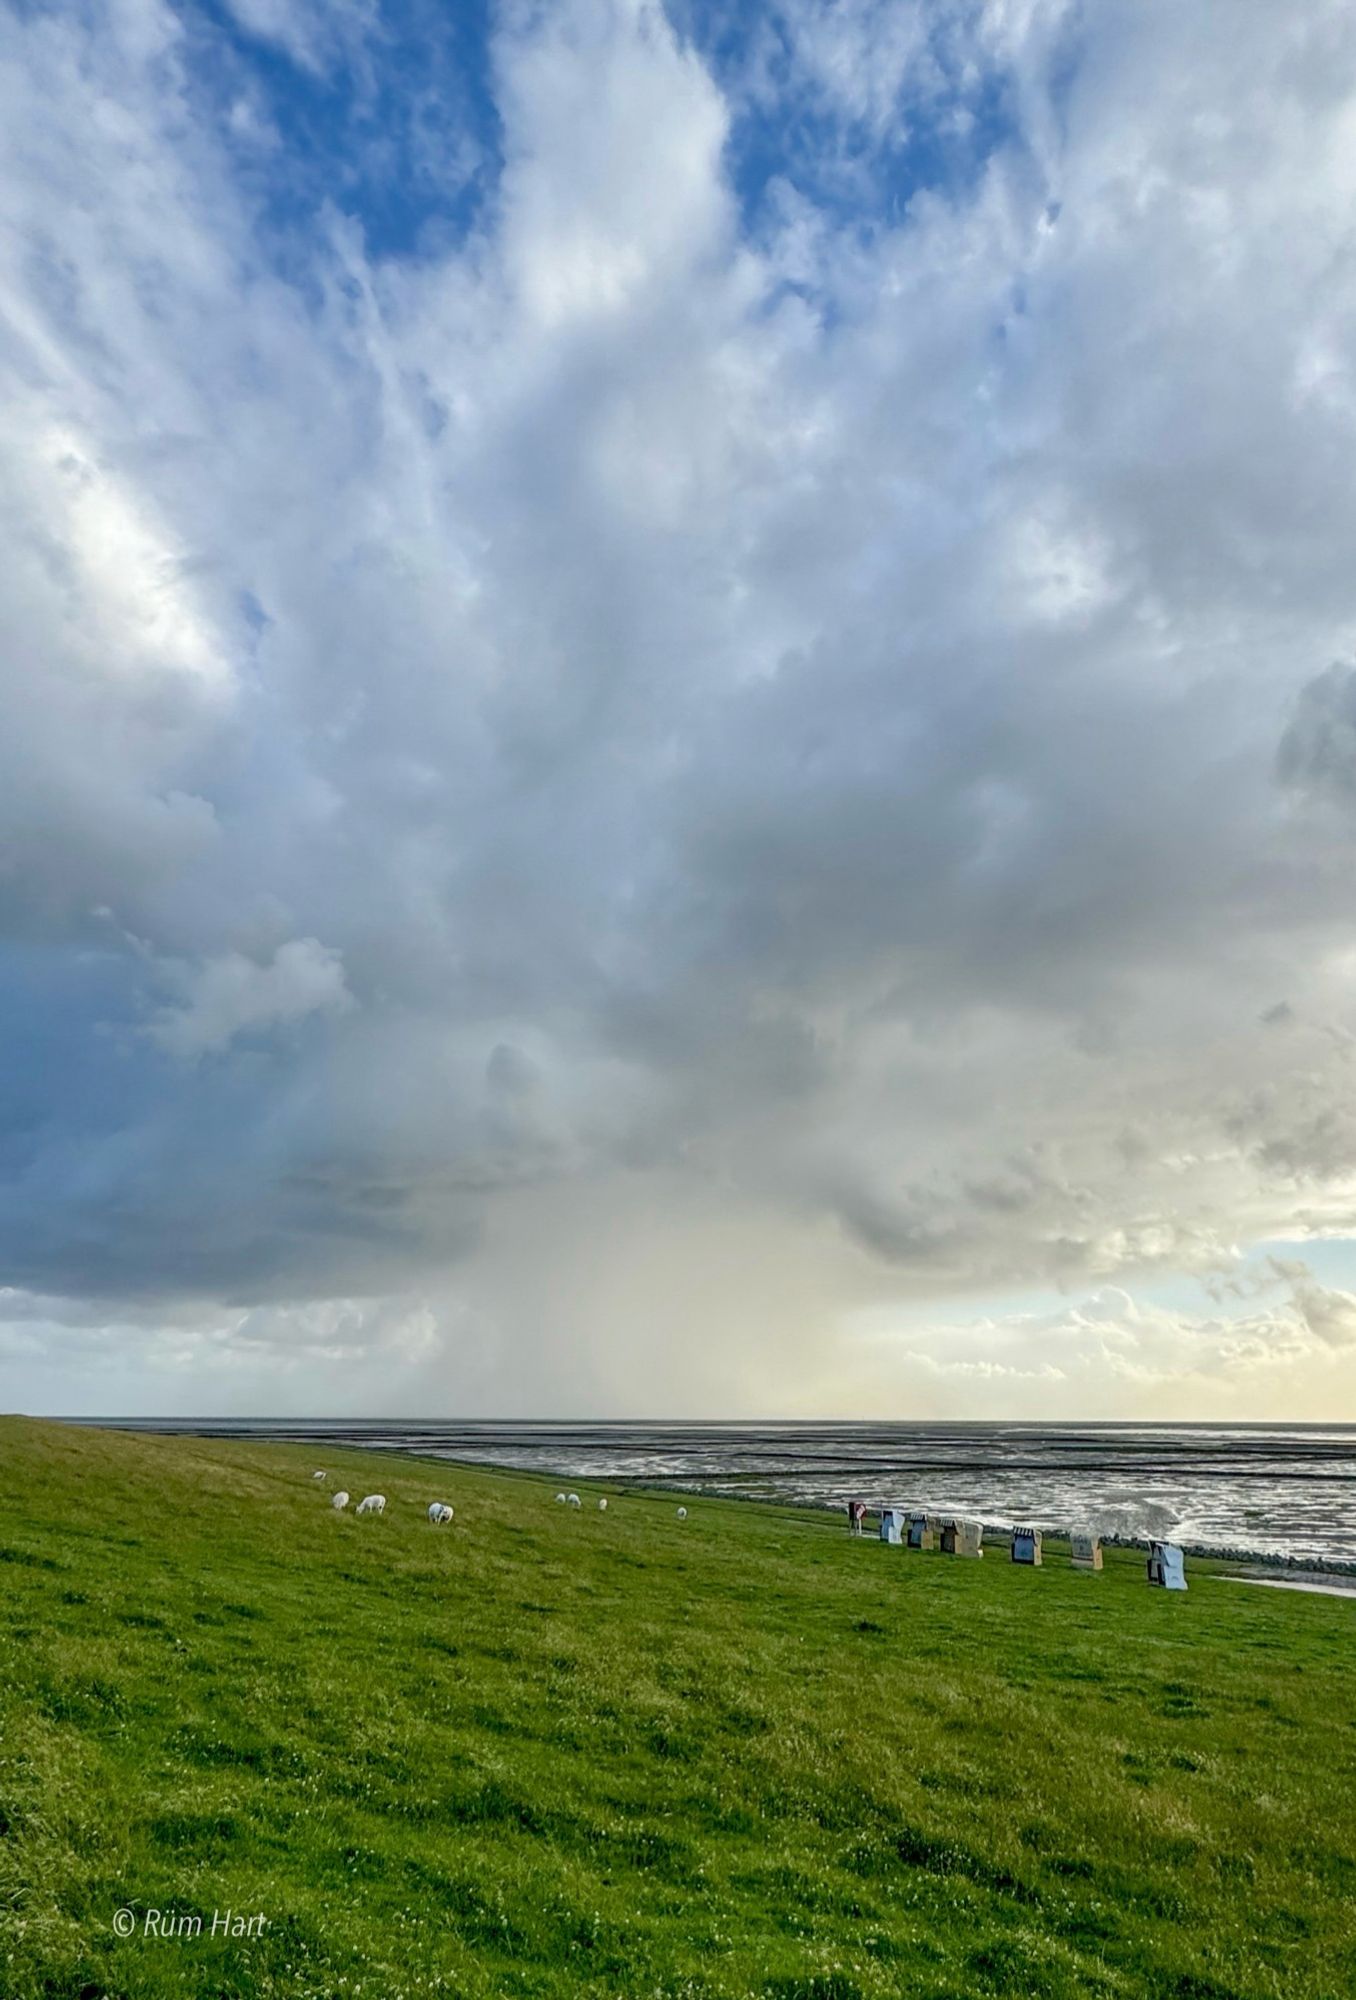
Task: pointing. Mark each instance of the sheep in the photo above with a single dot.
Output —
(682, 1513)
(439, 1512)
(602, 1505)
(320, 1475)
(560, 1497)
(339, 1501)
(574, 1499)
(375, 1503)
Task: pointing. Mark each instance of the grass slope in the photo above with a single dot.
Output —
(559, 1753)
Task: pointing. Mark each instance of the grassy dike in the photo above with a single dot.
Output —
(550, 1752)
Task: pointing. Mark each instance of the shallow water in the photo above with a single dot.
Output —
(1283, 1490)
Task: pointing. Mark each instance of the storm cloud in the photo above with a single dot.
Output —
(678, 707)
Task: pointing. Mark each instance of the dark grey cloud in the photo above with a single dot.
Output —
(1318, 750)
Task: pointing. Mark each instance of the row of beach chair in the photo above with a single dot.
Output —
(954, 1536)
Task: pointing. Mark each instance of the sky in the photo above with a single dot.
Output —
(679, 708)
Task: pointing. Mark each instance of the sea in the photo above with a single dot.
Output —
(1273, 1491)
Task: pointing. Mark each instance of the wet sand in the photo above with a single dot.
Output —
(1322, 1586)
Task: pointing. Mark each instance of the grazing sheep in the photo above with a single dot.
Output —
(561, 1498)
(682, 1513)
(320, 1475)
(340, 1500)
(574, 1499)
(375, 1503)
(439, 1512)
(602, 1506)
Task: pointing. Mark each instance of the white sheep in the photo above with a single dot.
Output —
(561, 1498)
(439, 1512)
(340, 1500)
(375, 1503)
(320, 1475)
(682, 1513)
(602, 1505)
(574, 1499)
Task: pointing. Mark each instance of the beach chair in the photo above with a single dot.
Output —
(892, 1525)
(962, 1538)
(1085, 1550)
(1026, 1546)
(1167, 1566)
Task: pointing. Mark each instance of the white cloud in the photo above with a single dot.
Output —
(612, 191)
(232, 995)
(312, 32)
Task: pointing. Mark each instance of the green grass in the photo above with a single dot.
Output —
(560, 1753)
